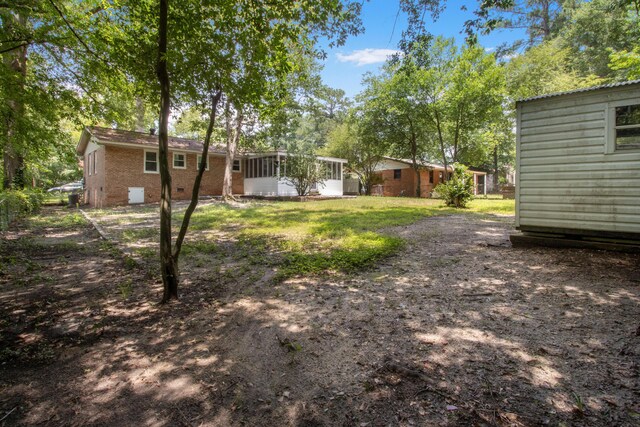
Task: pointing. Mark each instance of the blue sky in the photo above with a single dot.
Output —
(345, 65)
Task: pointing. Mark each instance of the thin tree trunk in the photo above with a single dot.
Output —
(444, 154)
(414, 160)
(233, 137)
(495, 169)
(16, 62)
(140, 112)
(168, 266)
(215, 99)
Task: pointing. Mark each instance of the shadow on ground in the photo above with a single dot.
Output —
(458, 329)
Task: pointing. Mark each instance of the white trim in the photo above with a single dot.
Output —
(144, 161)
(198, 157)
(610, 126)
(173, 161)
(89, 168)
(239, 165)
(284, 154)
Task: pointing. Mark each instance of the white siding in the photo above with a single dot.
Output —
(261, 186)
(286, 189)
(331, 187)
(567, 177)
(273, 187)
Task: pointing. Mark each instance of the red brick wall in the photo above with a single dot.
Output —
(398, 187)
(406, 185)
(123, 167)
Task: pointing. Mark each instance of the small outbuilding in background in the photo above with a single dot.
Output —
(578, 166)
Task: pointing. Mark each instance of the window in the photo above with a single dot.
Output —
(627, 127)
(179, 161)
(430, 177)
(262, 167)
(199, 159)
(89, 163)
(236, 166)
(397, 173)
(440, 176)
(333, 170)
(94, 162)
(151, 161)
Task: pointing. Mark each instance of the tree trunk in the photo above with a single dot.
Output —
(496, 180)
(140, 112)
(418, 184)
(168, 266)
(442, 150)
(414, 155)
(233, 137)
(16, 61)
(215, 99)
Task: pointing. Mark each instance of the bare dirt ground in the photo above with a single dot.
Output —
(457, 329)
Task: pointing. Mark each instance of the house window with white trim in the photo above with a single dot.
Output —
(89, 164)
(206, 167)
(627, 127)
(333, 170)
(94, 162)
(179, 161)
(236, 166)
(151, 162)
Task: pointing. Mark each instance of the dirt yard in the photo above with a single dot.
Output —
(457, 329)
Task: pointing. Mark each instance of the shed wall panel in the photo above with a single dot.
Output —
(566, 176)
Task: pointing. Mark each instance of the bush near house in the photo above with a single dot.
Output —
(458, 190)
(17, 203)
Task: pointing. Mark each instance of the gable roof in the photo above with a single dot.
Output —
(586, 89)
(110, 136)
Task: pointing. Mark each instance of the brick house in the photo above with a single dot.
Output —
(399, 178)
(122, 167)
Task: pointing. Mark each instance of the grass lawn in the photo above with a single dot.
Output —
(292, 237)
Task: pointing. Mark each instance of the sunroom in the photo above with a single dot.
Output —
(265, 175)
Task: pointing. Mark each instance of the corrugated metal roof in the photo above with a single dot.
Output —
(586, 89)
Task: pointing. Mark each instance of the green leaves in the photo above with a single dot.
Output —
(458, 190)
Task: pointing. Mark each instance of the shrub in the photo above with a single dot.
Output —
(18, 203)
(458, 190)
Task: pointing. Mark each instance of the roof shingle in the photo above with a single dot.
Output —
(118, 136)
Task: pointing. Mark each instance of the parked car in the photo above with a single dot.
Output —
(71, 187)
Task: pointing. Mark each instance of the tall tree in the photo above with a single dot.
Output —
(363, 149)
(596, 28)
(542, 20)
(50, 77)
(234, 119)
(390, 105)
(205, 49)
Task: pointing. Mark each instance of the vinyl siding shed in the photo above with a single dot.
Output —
(578, 162)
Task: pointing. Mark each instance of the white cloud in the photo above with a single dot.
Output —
(489, 49)
(366, 56)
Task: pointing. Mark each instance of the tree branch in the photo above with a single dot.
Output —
(73, 31)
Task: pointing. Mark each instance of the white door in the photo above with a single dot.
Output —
(136, 195)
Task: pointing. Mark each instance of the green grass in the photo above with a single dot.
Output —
(55, 199)
(493, 206)
(61, 218)
(295, 238)
(343, 235)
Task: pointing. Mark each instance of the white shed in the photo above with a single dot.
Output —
(578, 163)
